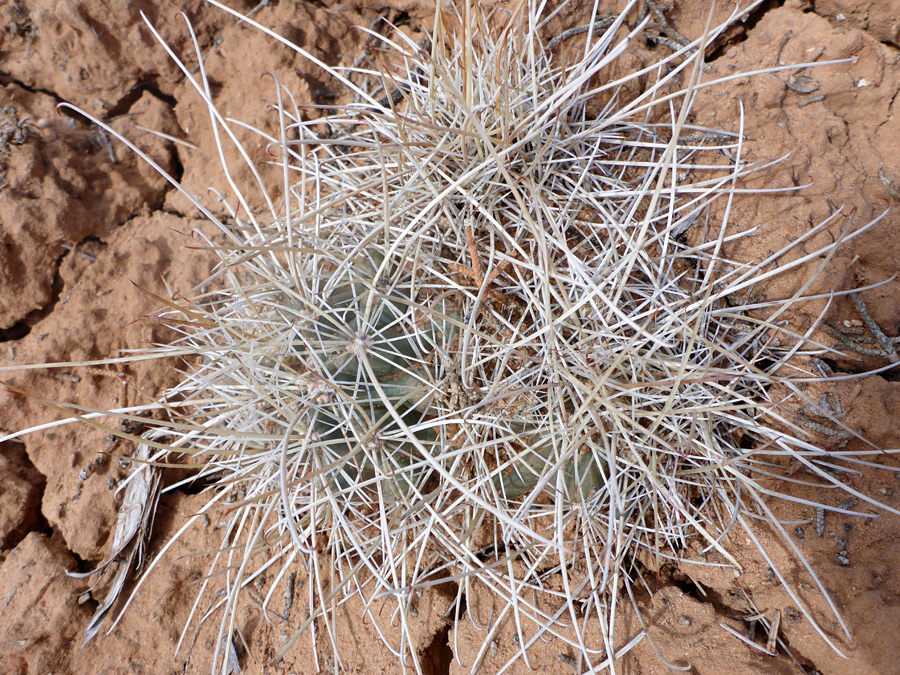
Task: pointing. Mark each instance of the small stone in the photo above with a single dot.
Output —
(684, 621)
(799, 532)
(567, 660)
(792, 615)
(802, 84)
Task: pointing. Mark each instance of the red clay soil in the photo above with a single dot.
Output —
(89, 233)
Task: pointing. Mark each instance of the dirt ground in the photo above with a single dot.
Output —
(89, 233)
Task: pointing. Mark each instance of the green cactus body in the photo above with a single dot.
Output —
(360, 337)
(582, 475)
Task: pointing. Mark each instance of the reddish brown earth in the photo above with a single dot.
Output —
(88, 233)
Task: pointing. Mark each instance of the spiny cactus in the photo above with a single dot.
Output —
(478, 349)
(369, 348)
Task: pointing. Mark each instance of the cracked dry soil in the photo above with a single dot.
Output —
(88, 233)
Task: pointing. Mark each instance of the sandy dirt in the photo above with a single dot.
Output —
(89, 233)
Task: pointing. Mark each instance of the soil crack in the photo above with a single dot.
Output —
(748, 24)
(151, 86)
(21, 497)
(23, 327)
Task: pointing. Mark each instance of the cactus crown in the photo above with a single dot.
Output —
(370, 354)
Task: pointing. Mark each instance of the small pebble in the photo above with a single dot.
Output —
(792, 615)
(799, 532)
(802, 84)
(810, 100)
(83, 474)
(684, 621)
(843, 559)
(567, 660)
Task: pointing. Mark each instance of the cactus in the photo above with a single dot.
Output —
(358, 336)
(487, 320)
